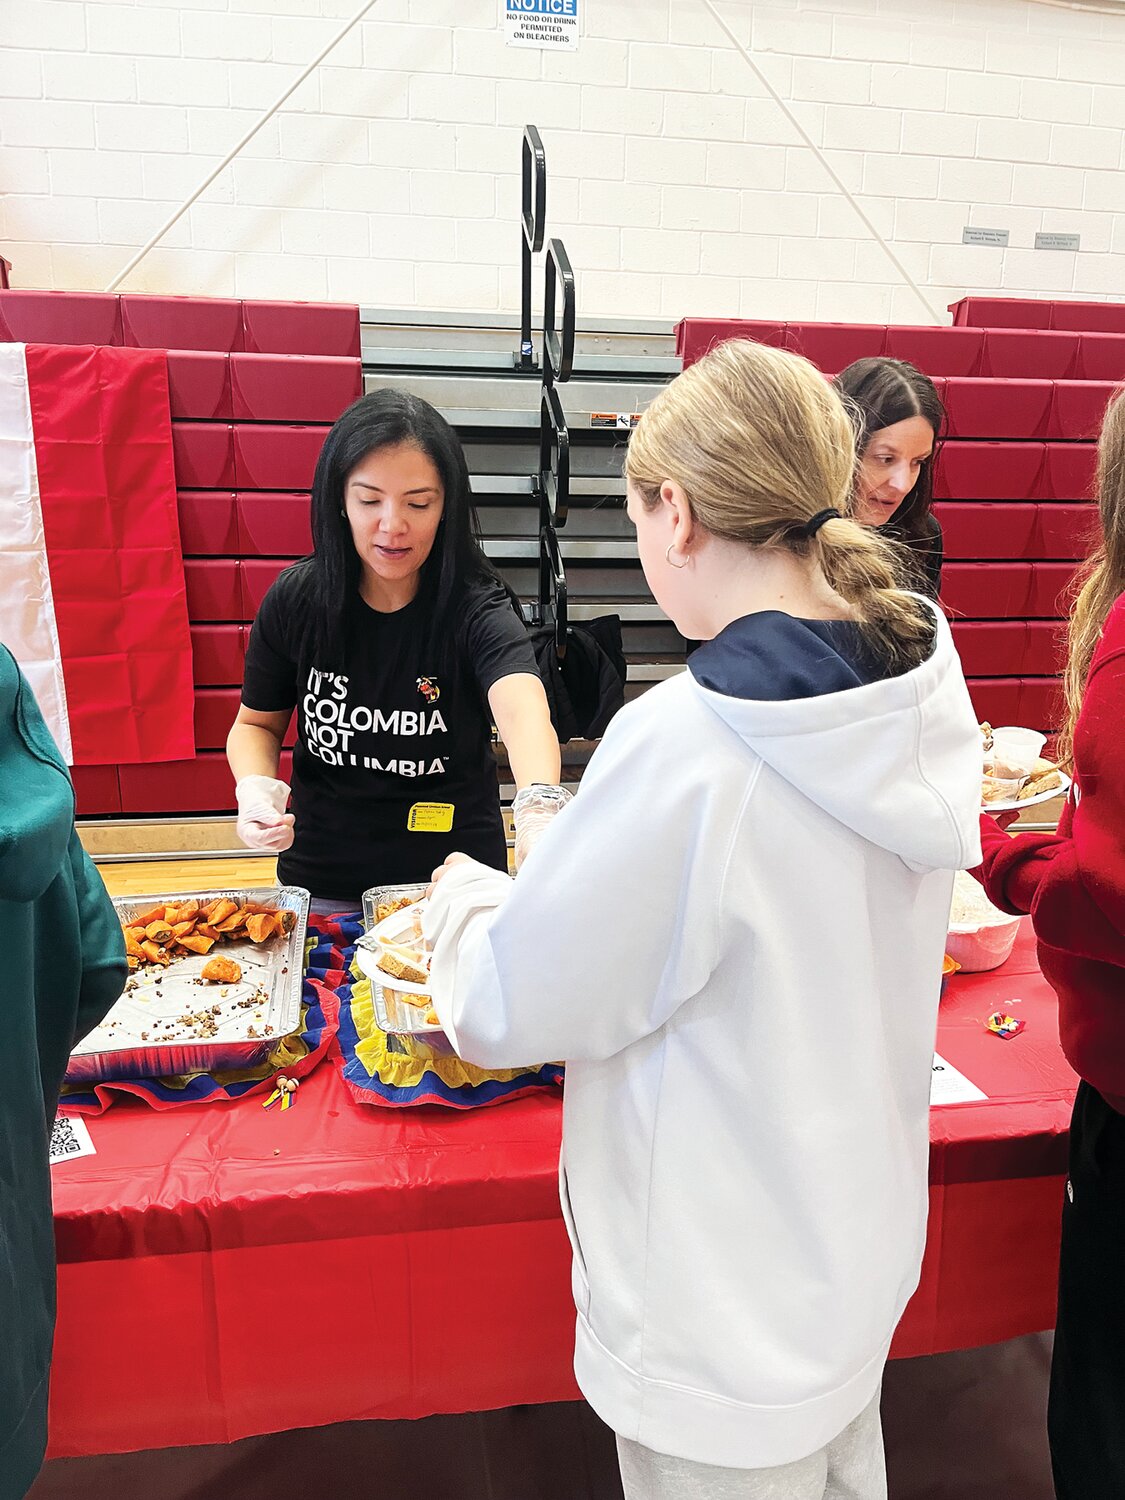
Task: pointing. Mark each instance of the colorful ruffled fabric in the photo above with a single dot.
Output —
(397, 1071)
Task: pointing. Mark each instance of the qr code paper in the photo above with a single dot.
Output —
(70, 1137)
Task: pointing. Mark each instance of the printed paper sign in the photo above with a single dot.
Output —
(551, 25)
(948, 1086)
(70, 1137)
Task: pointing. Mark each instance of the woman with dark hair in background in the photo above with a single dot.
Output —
(400, 646)
(898, 418)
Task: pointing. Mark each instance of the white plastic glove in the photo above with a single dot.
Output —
(533, 807)
(263, 822)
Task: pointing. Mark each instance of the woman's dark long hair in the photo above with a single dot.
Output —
(881, 392)
(382, 419)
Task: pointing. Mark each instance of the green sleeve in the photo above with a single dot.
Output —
(104, 969)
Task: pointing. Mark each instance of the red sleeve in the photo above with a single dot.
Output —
(1013, 867)
(1074, 884)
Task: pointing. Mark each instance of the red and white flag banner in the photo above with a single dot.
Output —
(92, 597)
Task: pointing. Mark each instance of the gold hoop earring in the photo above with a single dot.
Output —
(668, 558)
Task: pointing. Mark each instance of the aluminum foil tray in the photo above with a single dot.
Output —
(136, 1041)
(392, 1014)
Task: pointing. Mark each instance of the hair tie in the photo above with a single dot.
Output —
(812, 527)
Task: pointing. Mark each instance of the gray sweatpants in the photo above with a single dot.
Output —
(851, 1467)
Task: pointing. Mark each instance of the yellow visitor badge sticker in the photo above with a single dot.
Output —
(430, 817)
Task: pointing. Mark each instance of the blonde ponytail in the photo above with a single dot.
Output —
(865, 569)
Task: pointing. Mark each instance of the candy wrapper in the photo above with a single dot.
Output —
(1004, 1026)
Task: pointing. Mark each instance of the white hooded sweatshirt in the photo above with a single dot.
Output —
(734, 938)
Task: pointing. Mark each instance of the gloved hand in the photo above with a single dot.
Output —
(533, 807)
(263, 822)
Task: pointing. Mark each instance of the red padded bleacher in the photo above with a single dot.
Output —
(293, 387)
(273, 524)
(212, 323)
(59, 317)
(945, 351)
(208, 523)
(330, 328)
(992, 648)
(275, 457)
(214, 589)
(991, 529)
(199, 385)
(1013, 353)
(218, 652)
(204, 455)
(215, 708)
(257, 575)
(1035, 312)
(985, 352)
(223, 324)
(97, 790)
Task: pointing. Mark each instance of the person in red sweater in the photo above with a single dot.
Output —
(1073, 884)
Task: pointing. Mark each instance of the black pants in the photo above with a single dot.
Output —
(1086, 1412)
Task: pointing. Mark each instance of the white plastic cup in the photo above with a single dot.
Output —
(1017, 749)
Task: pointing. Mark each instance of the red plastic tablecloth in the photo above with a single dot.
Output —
(226, 1271)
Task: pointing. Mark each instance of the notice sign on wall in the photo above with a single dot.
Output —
(547, 24)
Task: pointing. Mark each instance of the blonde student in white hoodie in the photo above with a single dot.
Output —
(734, 938)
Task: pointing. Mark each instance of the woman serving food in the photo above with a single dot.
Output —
(399, 646)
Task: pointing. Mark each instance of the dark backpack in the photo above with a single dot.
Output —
(587, 687)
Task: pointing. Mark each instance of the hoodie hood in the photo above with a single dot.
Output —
(895, 759)
(36, 797)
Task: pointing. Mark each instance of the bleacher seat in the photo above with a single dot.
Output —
(292, 387)
(300, 328)
(276, 457)
(1036, 312)
(204, 455)
(214, 589)
(1101, 356)
(272, 524)
(217, 653)
(990, 470)
(991, 529)
(834, 346)
(59, 317)
(942, 351)
(257, 574)
(980, 408)
(208, 523)
(212, 323)
(1015, 353)
(199, 385)
(97, 790)
(215, 710)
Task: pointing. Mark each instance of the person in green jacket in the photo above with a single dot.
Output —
(63, 967)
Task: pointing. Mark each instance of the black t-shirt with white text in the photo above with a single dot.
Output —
(393, 766)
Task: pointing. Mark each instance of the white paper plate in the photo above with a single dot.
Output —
(1014, 805)
(398, 927)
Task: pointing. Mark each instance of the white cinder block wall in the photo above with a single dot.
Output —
(391, 176)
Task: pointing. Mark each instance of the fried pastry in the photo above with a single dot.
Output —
(221, 971)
